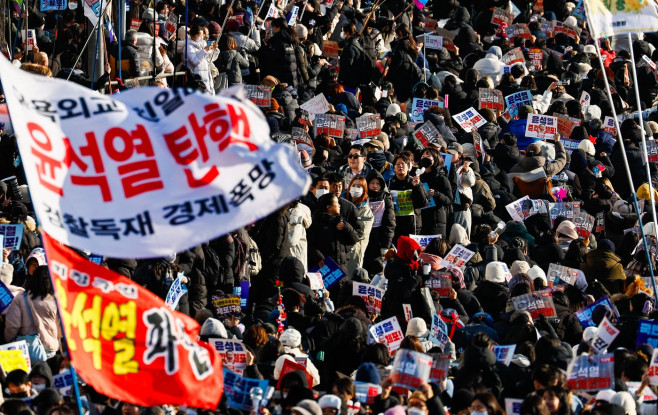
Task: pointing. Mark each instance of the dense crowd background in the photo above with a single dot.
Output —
(349, 214)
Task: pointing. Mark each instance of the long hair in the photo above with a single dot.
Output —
(39, 284)
(359, 200)
(490, 402)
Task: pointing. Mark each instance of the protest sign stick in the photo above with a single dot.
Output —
(117, 70)
(623, 153)
(255, 19)
(187, 16)
(644, 146)
(221, 29)
(98, 39)
(367, 19)
(87, 42)
(299, 19)
(403, 11)
(13, 48)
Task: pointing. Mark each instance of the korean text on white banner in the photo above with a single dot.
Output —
(439, 331)
(541, 126)
(537, 303)
(333, 125)
(92, 9)
(426, 134)
(411, 369)
(371, 295)
(500, 16)
(492, 99)
(433, 42)
(13, 235)
(368, 125)
(592, 372)
(388, 332)
(149, 171)
(653, 369)
(440, 367)
(513, 56)
(609, 125)
(234, 354)
(419, 106)
(457, 257)
(558, 274)
(607, 18)
(259, 95)
(176, 291)
(423, 240)
(516, 100)
(316, 105)
(604, 336)
(469, 119)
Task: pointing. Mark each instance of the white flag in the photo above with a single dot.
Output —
(615, 17)
(146, 172)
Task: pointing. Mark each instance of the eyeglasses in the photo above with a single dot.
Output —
(354, 156)
(400, 165)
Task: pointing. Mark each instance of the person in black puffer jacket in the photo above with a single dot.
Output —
(435, 218)
(493, 291)
(278, 56)
(489, 132)
(403, 182)
(567, 326)
(291, 274)
(383, 228)
(351, 67)
(402, 71)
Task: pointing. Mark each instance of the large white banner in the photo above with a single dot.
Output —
(608, 17)
(146, 172)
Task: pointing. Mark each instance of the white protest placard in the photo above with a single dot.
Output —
(371, 295)
(609, 125)
(316, 105)
(388, 332)
(176, 291)
(491, 98)
(513, 406)
(315, 280)
(440, 367)
(653, 369)
(457, 257)
(234, 354)
(410, 369)
(560, 272)
(63, 382)
(585, 100)
(537, 303)
(541, 126)
(13, 235)
(522, 209)
(433, 42)
(426, 134)
(604, 336)
(151, 171)
(439, 331)
(501, 16)
(408, 314)
(504, 354)
(293, 16)
(513, 56)
(419, 106)
(369, 125)
(423, 240)
(623, 17)
(272, 12)
(469, 119)
(584, 223)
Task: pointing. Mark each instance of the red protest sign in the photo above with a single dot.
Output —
(124, 341)
(330, 49)
(290, 366)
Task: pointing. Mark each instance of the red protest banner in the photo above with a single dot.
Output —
(125, 342)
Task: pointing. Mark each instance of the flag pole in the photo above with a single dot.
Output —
(85, 45)
(98, 39)
(623, 152)
(646, 155)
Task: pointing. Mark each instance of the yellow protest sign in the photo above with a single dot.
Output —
(12, 360)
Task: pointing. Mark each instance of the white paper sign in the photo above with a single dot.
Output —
(457, 257)
(388, 332)
(604, 336)
(150, 171)
(433, 42)
(176, 291)
(317, 105)
(504, 354)
(469, 119)
(541, 126)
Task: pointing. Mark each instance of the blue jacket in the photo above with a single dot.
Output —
(517, 127)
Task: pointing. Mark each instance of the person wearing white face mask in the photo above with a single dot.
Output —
(200, 56)
(319, 187)
(41, 376)
(358, 195)
(486, 404)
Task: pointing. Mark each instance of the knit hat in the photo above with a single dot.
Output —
(567, 229)
(571, 21)
(333, 401)
(495, 272)
(291, 339)
(214, 29)
(643, 192)
(392, 109)
(587, 147)
(301, 31)
(606, 245)
(148, 14)
(536, 272)
(367, 372)
(308, 407)
(306, 160)
(462, 399)
(402, 117)
(519, 267)
(591, 49)
(213, 328)
(274, 105)
(417, 327)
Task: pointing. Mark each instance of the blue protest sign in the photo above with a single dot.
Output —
(6, 297)
(431, 199)
(647, 332)
(516, 100)
(96, 259)
(331, 272)
(176, 291)
(13, 235)
(236, 389)
(243, 292)
(585, 314)
(439, 331)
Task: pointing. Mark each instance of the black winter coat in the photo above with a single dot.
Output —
(400, 70)
(434, 219)
(403, 288)
(493, 297)
(410, 224)
(325, 240)
(279, 59)
(351, 69)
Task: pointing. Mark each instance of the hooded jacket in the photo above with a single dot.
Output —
(436, 218)
(491, 65)
(603, 265)
(291, 273)
(383, 227)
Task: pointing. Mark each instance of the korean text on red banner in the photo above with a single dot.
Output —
(148, 171)
(388, 332)
(492, 99)
(411, 369)
(426, 134)
(592, 372)
(122, 338)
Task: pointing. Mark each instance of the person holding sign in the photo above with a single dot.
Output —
(435, 218)
(357, 193)
(383, 226)
(408, 196)
(404, 282)
(330, 234)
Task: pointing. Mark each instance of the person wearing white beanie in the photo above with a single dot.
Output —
(587, 147)
(520, 267)
(536, 272)
(418, 328)
(492, 293)
(291, 340)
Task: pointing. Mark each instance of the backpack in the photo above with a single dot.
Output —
(369, 72)
(241, 253)
(254, 262)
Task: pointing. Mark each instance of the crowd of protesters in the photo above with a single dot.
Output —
(351, 213)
